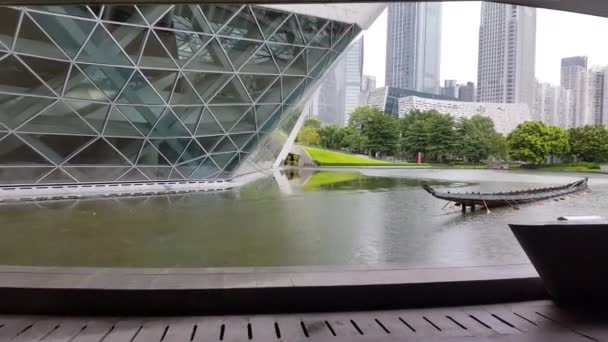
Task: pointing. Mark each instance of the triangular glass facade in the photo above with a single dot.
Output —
(153, 92)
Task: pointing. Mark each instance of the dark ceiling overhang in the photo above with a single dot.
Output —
(593, 7)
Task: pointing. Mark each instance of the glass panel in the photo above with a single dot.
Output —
(58, 176)
(161, 80)
(273, 94)
(129, 147)
(22, 175)
(155, 55)
(170, 148)
(16, 78)
(246, 124)
(68, 33)
(96, 10)
(271, 123)
(343, 41)
(310, 26)
(323, 39)
(314, 56)
(59, 118)
(80, 87)
(233, 92)
(208, 143)
(93, 113)
(141, 117)
(184, 94)
(289, 84)
(189, 18)
(153, 12)
(189, 116)
(175, 175)
(133, 176)
(227, 116)
(256, 84)
(169, 126)
(207, 84)
(13, 151)
(263, 112)
(151, 156)
(211, 58)
(288, 33)
(16, 109)
(206, 170)
(239, 51)
(156, 173)
(261, 62)
(56, 147)
(231, 165)
(101, 48)
(188, 168)
(123, 14)
(296, 94)
(223, 159)
(243, 25)
(96, 174)
(208, 125)
(337, 31)
(298, 67)
(284, 54)
(53, 72)
(75, 11)
(225, 145)
(187, 45)
(138, 91)
(193, 151)
(240, 139)
(320, 67)
(217, 15)
(130, 38)
(251, 144)
(10, 19)
(119, 125)
(98, 153)
(110, 80)
(268, 19)
(32, 40)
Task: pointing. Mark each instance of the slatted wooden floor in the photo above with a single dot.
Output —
(527, 321)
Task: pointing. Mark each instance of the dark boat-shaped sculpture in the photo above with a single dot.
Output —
(571, 256)
(513, 198)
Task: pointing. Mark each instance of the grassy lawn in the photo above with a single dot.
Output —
(322, 178)
(332, 158)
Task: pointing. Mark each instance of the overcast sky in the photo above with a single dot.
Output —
(559, 34)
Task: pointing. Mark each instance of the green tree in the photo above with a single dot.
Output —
(477, 138)
(429, 132)
(379, 132)
(352, 140)
(329, 136)
(308, 136)
(312, 122)
(558, 141)
(529, 142)
(361, 115)
(589, 143)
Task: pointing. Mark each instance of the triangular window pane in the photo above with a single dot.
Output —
(13, 151)
(16, 78)
(289, 84)
(176, 175)
(184, 93)
(273, 94)
(151, 156)
(246, 123)
(157, 56)
(53, 72)
(294, 97)
(57, 147)
(133, 176)
(169, 126)
(206, 170)
(99, 152)
(238, 50)
(161, 80)
(241, 139)
(209, 143)
(225, 145)
(156, 173)
(93, 113)
(188, 168)
(170, 148)
(284, 54)
(228, 116)
(207, 84)
(210, 58)
(96, 10)
(130, 38)
(80, 87)
(263, 112)
(153, 12)
(256, 84)
(318, 70)
(223, 159)
(138, 91)
(217, 15)
(188, 116)
(188, 44)
(119, 125)
(193, 151)
(144, 118)
(16, 109)
(337, 31)
(74, 11)
(323, 39)
(59, 118)
(67, 32)
(261, 62)
(101, 48)
(314, 56)
(22, 175)
(233, 92)
(96, 174)
(129, 147)
(298, 67)
(123, 14)
(243, 25)
(288, 33)
(57, 176)
(271, 123)
(236, 161)
(32, 40)
(268, 19)
(251, 144)
(189, 18)
(110, 80)
(310, 26)
(10, 20)
(208, 125)
(343, 42)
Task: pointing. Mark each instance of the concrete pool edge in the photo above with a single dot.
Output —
(103, 292)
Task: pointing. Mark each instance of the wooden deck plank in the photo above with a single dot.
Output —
(500, 327)
(124, 331)
(152, 331)
(67, 329)
(95, 331)
(38, 330)
(264, 328)
(180, 329)
(12, 327)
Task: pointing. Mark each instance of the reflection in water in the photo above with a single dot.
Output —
(375, 218)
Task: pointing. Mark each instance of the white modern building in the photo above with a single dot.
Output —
(507, 52)
(506, 116)
(368, 83)
(413, 46)
(574, 76)
(353, 74)
(598, 113)
(450, 88)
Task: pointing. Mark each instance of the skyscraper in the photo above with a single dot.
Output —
(574, 77)
(413, 46)
(466, 92)
(353, 77)
(507, 52)
(450, 88)
(368, 83)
